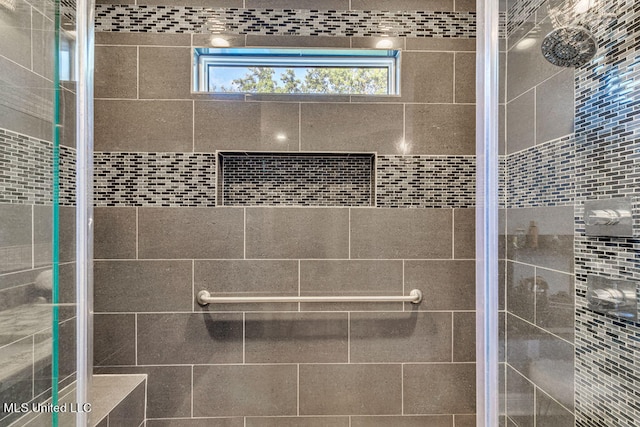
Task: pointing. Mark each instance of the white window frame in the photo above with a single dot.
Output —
(205, 58)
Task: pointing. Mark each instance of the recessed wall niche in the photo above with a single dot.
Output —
(295, 179)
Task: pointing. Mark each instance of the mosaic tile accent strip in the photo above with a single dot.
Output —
(608, 165)
(426, 181)
(67, 194)
(300, 22)
(520, 12)
(296, 179)
(154, 179)
(27, 168)
(543, 175)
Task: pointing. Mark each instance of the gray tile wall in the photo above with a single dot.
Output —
(287, 363)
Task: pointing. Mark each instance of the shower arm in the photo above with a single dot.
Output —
(204, 298)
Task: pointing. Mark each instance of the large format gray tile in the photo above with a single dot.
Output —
(350, 389)
(180, 338)
(300, 4)
(521, 123)
(521, 290)
(190, 233)
(351, 127)
(432, 5)
(555, 106)
(142, 286)
(403, 421)
(352, 277)
(465, 420)
(401, 233)
(296, 337)
(165, 72)
(465, 77)
(116, 72)
(114, 233)
(554, 249)
(197, 422)
(247, 278)
(42, 36)
(445, 285)
(244, 390)
(550, 414)
(251, 126)
(427, 77)
(520, 399)
(114, 339)
(123, 125)
(143, 39)
(441, 44)
(297, 233)
(550, 366)
(43, 231)
(464, 336)
(298, 41)
(16, 232)
(298, 422)
(15, 26)
(168, 389)
(464, 233)
(400, 337)
(455, 385)
(440, 129)
(555, 303)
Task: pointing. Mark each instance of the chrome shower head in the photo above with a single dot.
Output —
(569, 46)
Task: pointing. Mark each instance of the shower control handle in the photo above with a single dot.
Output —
(610, 297)
(606, 216)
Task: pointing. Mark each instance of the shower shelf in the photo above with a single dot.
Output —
(204, 298)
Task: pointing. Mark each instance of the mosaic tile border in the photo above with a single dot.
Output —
(27, 168)
(543, 175)
(291, 179)
(190, 180)
(426, 181)
(154, 179)
(300, 22)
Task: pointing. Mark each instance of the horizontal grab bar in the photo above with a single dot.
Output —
(205, 298)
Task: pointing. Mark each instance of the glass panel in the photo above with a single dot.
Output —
(28, 219)
(571, 75)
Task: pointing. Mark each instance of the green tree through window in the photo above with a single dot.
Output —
(366, 81)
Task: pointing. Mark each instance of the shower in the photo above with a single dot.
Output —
(572, 42)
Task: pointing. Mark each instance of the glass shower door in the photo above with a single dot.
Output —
(37, 215)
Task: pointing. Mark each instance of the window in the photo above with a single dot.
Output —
(297, 71)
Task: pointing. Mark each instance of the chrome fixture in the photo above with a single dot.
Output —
(609, 217)
(204, 298)
(572, 43)
(613, 297)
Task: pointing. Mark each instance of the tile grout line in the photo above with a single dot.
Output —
(135, 330)
(33, 237)
(244, 333)
(348, 337)
(192, 369)
(137, 232)
(298, 389)
(137, 72)
(452, 336)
